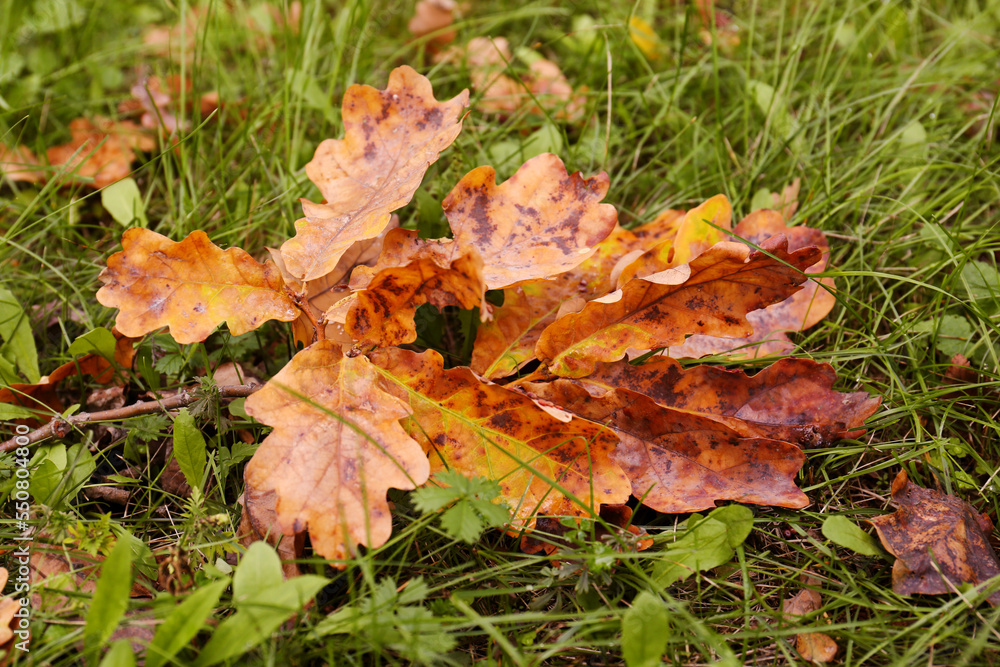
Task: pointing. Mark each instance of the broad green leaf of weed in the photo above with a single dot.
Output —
(982, 285)
(11, 412)
(844, 532)
(60, 472)
(189, 448)
(473, 509)
(709, 542)
(183, 623)
(110, 601)
(19, 343)
(119, 655)
(951, 333)
(645, 631)
(774, 106)
(96, 341)
(123, 201)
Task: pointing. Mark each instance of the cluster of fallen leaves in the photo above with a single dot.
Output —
(355, 414)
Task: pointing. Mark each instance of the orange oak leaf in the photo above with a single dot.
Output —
(710, 295)
(101, 151)
(540, 222)
(663, 226)
(693, 236)
(429, 271)
(434, 16)
(336, 449)
(791, 400)
(683, 462)
(939, 541)
(20, 164)
(190, 286)
(544, 465)
(771, 325)
(507, 342)
(815, 647)
(391, 137)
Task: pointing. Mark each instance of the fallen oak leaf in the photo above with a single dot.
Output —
(336, 449)
(20, 164)
(710, 295)
(791, 400)
(939, 541)
(100, 152)
(259, 522)
(391, 137)
(442, 273)
(802, 310)
(190, 286)
(543, 464)
(540, 222)
(433, 16)
(683, 462)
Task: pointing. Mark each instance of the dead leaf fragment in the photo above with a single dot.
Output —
(442, 273)
(190, 286)
(432, 16)
(336, 449)
(540, 222)
(710, 295)
(391, 137)
(939, 541)
(20, 164)
(683, 462)
(483, 429)
(259, 523)
(812, 646)
(791, 400)
(100, 152)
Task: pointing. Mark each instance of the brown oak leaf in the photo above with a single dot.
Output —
(259, 522)
(391, 137)
(771, 325)
(791, 400)
(683, 462)
(434, 16)
(429, 271)
(540, 222)
(710, 295)
(336, 449)
(543, 464)
(939, 541)
(100, 152)
(190, 286)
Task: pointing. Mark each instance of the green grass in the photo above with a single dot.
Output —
(870, 104)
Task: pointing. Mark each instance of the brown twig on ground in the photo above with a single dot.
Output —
(60, 428)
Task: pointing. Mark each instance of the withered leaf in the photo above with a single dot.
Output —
(428, 272)
(20, 164)
(391, 137)
(812, 646)
(543, 464)
(259, 522)
(433, 16)
(710, 295)
(540, 222)
(190, 286)
(939, 541)
(336, 449)
(101, 151)
(683, 462)
(791, 400)
(771, 325)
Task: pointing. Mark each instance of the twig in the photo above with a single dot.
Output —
(60, 427)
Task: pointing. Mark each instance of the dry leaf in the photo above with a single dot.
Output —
(540, 222)
(259, 523)
(771, 325)
(20, 164)
(711, 295)
(481, 429)
(432, 16)
(190, 286)
(390, 139)
(336, 449)
(791, 400)
(100, 151)
(939, 541)
(427, 272)
(812, 646)
(683, 462)
(619, 516)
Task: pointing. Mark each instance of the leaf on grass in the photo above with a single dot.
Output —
(507, 342)
(841, 530)
(683, 462)
(411, 272)
(771, 325)
(20, 164)
(709, 541)
(645, 631)
(189, 448)
(336, 449)
(190, 286)
(433, 16)
(791, 400)
(540, 222)
(99, 152)
(711, 295)
(259, 523)
(939, 541)
(390, 139)
(480, 429)
(18, 342)
(814, 647)
(111, 595)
